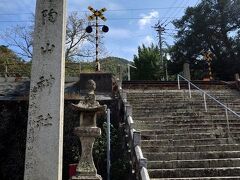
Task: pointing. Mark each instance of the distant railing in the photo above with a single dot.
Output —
(139, 163)
(227, 109)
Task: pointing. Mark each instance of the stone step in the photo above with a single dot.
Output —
(182, 127)
(182, 115)
(152, 136)
(200, 178)
(192, 148)
(179, 94)
(155, 109)
(167, 156)
(200, 163)
(182, 92)
(194, 99)
(150, 114)
(156, 105)
(181, 97)
(159, 108)
(194, 172)
(177, 103)
(169, 103)
(172, 109)
(189, 121)
(182, 112)
(170, 142)
(194, 117)
(192, 130)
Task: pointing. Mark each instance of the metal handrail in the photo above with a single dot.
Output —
(223, 105)
(211, 97)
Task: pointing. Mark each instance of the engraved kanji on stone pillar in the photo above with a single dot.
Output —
(48, 48)
(44, 146)
(50, 15)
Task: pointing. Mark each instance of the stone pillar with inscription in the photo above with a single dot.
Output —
(44, 145)
(87, 132)
(186, 70)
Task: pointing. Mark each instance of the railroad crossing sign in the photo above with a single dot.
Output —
(208, 56)
(96, 13)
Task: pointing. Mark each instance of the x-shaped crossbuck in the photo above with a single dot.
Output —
(207, 56)
(97, 13)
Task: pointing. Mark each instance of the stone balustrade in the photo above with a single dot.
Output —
(139, 163)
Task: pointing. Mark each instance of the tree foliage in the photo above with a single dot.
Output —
(11, 64)
(76, 38)
(147, 63)
(212, 25)
(108, 65)
(111, 64)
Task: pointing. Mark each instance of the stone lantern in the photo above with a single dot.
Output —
(88, 132)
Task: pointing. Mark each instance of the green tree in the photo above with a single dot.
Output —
(212, 25)
(147, 63)
(11, 64)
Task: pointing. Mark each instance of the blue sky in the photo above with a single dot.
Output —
(130, 21)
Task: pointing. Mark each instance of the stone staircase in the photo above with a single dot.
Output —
(182, 141)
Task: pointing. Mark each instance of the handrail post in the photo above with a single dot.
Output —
(189, 89)
(178, 79)
(205, 102)
(108, 145)
(226, 111)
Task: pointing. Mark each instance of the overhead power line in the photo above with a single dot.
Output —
(197, 2)
(10, 21)
(110, 19)
(166, 14)
(133, 9)
(176, 12)
(13, 14)
(152, 8)
(137, 18)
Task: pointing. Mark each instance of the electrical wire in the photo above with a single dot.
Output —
(110, 19)
(133, 9)
(176, 12)
(174, 2)
(13, 14)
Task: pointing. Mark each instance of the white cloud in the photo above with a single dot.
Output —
(147, 19)
(148, 40)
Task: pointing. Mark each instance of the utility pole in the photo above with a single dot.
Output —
(158, 27)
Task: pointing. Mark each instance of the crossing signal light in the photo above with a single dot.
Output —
(89, 29)
(105, 29)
